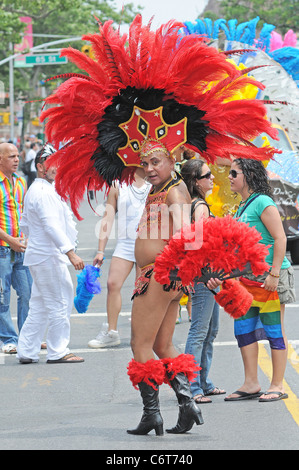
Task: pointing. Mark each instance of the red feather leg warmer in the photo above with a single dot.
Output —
(152, 370)
(234, 298)
(184, 363)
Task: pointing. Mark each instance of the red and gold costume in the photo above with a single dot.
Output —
(156, 87)
(151, 223)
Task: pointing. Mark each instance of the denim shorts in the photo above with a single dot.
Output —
(286, 284)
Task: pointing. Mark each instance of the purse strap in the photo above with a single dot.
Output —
(246, 205)
(193, 206)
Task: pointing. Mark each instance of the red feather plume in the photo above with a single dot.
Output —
(182, 67)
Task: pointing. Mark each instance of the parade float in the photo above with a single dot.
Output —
(279, 60)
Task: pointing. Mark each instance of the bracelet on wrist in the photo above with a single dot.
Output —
(100, 252)
(274, 275)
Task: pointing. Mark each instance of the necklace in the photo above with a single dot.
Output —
(139, 193)
(248, 201)
(244, 202)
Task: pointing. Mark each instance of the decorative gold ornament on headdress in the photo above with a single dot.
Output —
(150, 146)
(147, 128)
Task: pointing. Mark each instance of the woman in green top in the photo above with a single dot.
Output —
(257, 208)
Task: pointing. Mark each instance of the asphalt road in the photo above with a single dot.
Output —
(89, 406)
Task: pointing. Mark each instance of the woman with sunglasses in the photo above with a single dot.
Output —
(262, 321)
(205, 311)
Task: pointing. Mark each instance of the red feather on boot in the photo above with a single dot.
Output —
(183, 363)
(152, 370)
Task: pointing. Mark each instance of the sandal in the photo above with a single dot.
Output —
(68, 359)
(9, 349)
(201, 399)
(278, 396)
(215, 391)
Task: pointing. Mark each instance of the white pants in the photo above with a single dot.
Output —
(50, 307)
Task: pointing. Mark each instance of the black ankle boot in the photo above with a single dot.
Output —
(189, 413)
(151, 418)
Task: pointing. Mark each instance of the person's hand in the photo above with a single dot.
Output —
(76, 261)
(213, 283)
(17, 244)
(98, 259)
(270, 283)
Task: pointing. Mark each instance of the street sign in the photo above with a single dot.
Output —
(45, 59)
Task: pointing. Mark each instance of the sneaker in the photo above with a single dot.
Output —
(105, 338)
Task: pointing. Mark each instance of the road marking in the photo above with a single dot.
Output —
(180, 346)
(293, 358)
(292, 403)
(128, 314)
(27, 379)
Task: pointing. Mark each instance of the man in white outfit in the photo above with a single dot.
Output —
(49, 226)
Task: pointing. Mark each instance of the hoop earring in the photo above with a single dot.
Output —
(173, 175)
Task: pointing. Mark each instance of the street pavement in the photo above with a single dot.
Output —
(89, 406)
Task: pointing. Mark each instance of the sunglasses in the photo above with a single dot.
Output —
(235, 173)
(207, 176)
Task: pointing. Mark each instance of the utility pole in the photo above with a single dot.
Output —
(10, 59)
(11, 95)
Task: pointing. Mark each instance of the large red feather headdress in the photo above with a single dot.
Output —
(149, 85)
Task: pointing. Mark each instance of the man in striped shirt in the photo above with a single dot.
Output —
(12, 248)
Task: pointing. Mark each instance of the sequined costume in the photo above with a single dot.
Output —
(154, 222)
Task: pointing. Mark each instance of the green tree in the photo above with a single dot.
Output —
(284, 14)
(51, 19)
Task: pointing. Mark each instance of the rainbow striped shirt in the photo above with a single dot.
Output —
(11, 204)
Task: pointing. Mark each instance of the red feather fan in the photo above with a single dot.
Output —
(235, 299)
(214, 248)
(149, 62)
(223, 244)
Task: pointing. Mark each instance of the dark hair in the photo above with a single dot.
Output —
(44, 153)
(255, 175)
(39, 158)
(188, 154)
(191, 170)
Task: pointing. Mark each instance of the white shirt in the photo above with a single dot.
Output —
(130, 206)
(30, 156)
(48, 224)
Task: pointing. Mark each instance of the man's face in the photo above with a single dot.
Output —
(9, 159)
(157, 167)
(47, 173)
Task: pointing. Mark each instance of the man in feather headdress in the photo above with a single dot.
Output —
(145, 96)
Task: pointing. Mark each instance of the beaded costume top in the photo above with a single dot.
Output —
(155, 218)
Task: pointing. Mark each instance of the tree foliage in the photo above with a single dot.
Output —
(51, 19)
(284, 14)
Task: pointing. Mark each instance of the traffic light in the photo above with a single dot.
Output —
(88, 51)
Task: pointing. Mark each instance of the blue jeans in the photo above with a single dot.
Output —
(13, 273)
(203, 330)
